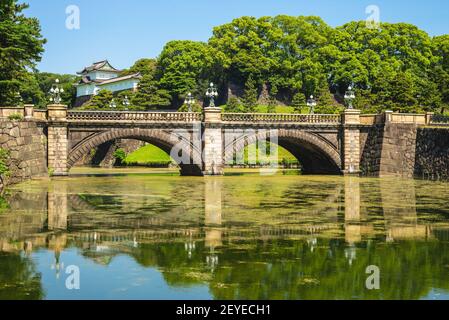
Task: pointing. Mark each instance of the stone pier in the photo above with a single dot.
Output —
(351, 141)
(212, 142)
(57, 140)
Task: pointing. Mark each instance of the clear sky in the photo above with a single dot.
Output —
(123, 31)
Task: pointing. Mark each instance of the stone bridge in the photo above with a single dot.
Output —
(204, 143)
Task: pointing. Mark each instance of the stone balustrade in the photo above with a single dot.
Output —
(405, 118)
(439, 120)
(118, 116)
(282, 118)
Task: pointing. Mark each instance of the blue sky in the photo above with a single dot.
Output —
(124, 31)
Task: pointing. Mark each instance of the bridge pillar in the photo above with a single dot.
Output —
(351, 141)
(57, 140)
(212, 142)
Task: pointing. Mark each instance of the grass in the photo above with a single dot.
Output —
(284, 157)
(148, 155)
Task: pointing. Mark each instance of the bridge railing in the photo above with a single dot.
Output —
(133, 116)
(282, 118)
(438, 119)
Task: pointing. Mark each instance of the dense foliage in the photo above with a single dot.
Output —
(268, 61)
(397, 66)
(21, 46)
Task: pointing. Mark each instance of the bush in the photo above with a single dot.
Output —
(120, 156)
(195, 108)
(4, 155)
(15, 117)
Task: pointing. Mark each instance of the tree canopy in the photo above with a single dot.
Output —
(21, 47)
(268, 60)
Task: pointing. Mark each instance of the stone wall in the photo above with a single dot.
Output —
(371, 139)
(27, 145)
(432, 153)
(398, 150)
(389, 150)
(405, 150)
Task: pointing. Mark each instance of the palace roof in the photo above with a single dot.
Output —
(100, 65)
(87, 80)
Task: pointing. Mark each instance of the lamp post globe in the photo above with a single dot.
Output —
(311, 103)
(212, 94)
(55, 93)
(126, 102)
(189, 101)
(350, 97)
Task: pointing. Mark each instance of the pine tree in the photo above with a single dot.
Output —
(233, 105)
(101, 100)
(325, 102)
(250, 96)
(298, 102)
(150, 96)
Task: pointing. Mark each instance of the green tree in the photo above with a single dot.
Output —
(326, 103)
(46, 80)
(21, 47)
(143, 66)
(233, 106)
(150, 96)
(299, 102)
(102, 100)
(187, 66)
(250, 96)
(273, 99)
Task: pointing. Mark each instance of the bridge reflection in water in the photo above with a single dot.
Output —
(57, 211)
(219, 226)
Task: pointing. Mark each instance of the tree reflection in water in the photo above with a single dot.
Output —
(245, 238)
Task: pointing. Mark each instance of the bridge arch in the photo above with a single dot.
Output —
(158, 137)
(316, 155)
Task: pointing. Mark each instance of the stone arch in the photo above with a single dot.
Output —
(158, 137)
(316, 154)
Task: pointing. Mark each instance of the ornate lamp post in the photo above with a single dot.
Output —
(350, 97)
(212, 93)
(311, 103)
(55, 93)
(126, 102)
(189, 101)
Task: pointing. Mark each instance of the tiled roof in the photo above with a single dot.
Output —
(97, 66)
(131, 76)
(87, 80)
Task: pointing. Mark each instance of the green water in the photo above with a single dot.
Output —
(154, 235)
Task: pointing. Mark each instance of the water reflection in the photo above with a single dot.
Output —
(285, 237)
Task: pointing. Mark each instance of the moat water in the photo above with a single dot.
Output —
(150, 234)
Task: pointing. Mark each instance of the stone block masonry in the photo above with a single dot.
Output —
(432, 153)
(58, 150)
(27, 146)
(405, 150)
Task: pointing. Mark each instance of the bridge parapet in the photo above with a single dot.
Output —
(439, 120)
(125, 116)
(282, 118)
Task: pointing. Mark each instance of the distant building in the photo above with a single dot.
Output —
(102, 76)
